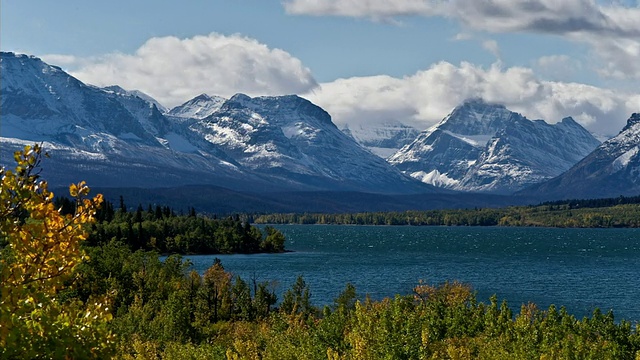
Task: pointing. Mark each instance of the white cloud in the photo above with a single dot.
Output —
(425, 97)
(492, 47)
(547, 16)
(375, 9)
(612, 31)
(618, 58)
(173, 70)
(60, 60)
(463, 36)
(557, 67)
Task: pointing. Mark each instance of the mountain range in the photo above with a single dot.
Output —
(275, 147)
(112, 138)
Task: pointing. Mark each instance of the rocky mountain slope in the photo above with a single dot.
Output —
(484, 147)
(611, 170)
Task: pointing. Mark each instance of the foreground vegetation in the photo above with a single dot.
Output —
(63, 299)
(604, 213)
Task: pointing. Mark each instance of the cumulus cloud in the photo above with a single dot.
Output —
(558, 17)
(375, 9)
(173, 70)
(613, 30)
(60, 59)
(557, 67)
(618, 58)
(425, 97)
(492, 47)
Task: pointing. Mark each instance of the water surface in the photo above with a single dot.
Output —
(579, 268)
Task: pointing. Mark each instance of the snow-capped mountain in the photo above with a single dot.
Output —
(112, 137)
(383, 139)
(105, 136)
(611, 170)
(485, 147)
(199, 107)
(292, 140)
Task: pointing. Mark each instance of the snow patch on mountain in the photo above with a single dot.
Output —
(178, 142)
(473, 140)
(623, 160)
(435, 178)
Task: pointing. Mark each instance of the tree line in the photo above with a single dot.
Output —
(625, 213)
(160, 229)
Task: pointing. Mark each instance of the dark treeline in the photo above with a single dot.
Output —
(160, 229)
(607, 213)
(595, 203)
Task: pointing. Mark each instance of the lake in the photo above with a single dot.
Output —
(579, 268)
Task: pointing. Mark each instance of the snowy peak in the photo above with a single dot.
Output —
(632, 121)
(278, 107)
(36, 82)
(42, 101)
(199, 107)
(485, 147)
(476, 117)
(292, 139)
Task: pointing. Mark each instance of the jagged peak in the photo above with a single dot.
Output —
(11, 54)
(479, 106)
(569, 121)
(240, 97)
(633, 120)
(479, 101)
(23, 58)
(202, 96)
(248, 101)
(477, 117)
(281, 103)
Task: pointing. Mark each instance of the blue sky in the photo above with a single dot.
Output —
(365, 61)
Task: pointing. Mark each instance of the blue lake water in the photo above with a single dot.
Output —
(579, 268)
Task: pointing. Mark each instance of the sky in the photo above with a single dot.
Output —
(367, 62)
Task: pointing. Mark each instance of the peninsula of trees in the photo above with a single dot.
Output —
(160, 229)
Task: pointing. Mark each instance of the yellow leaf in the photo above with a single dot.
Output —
(73, 190)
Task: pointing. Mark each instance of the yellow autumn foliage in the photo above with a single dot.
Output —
(40, 250)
